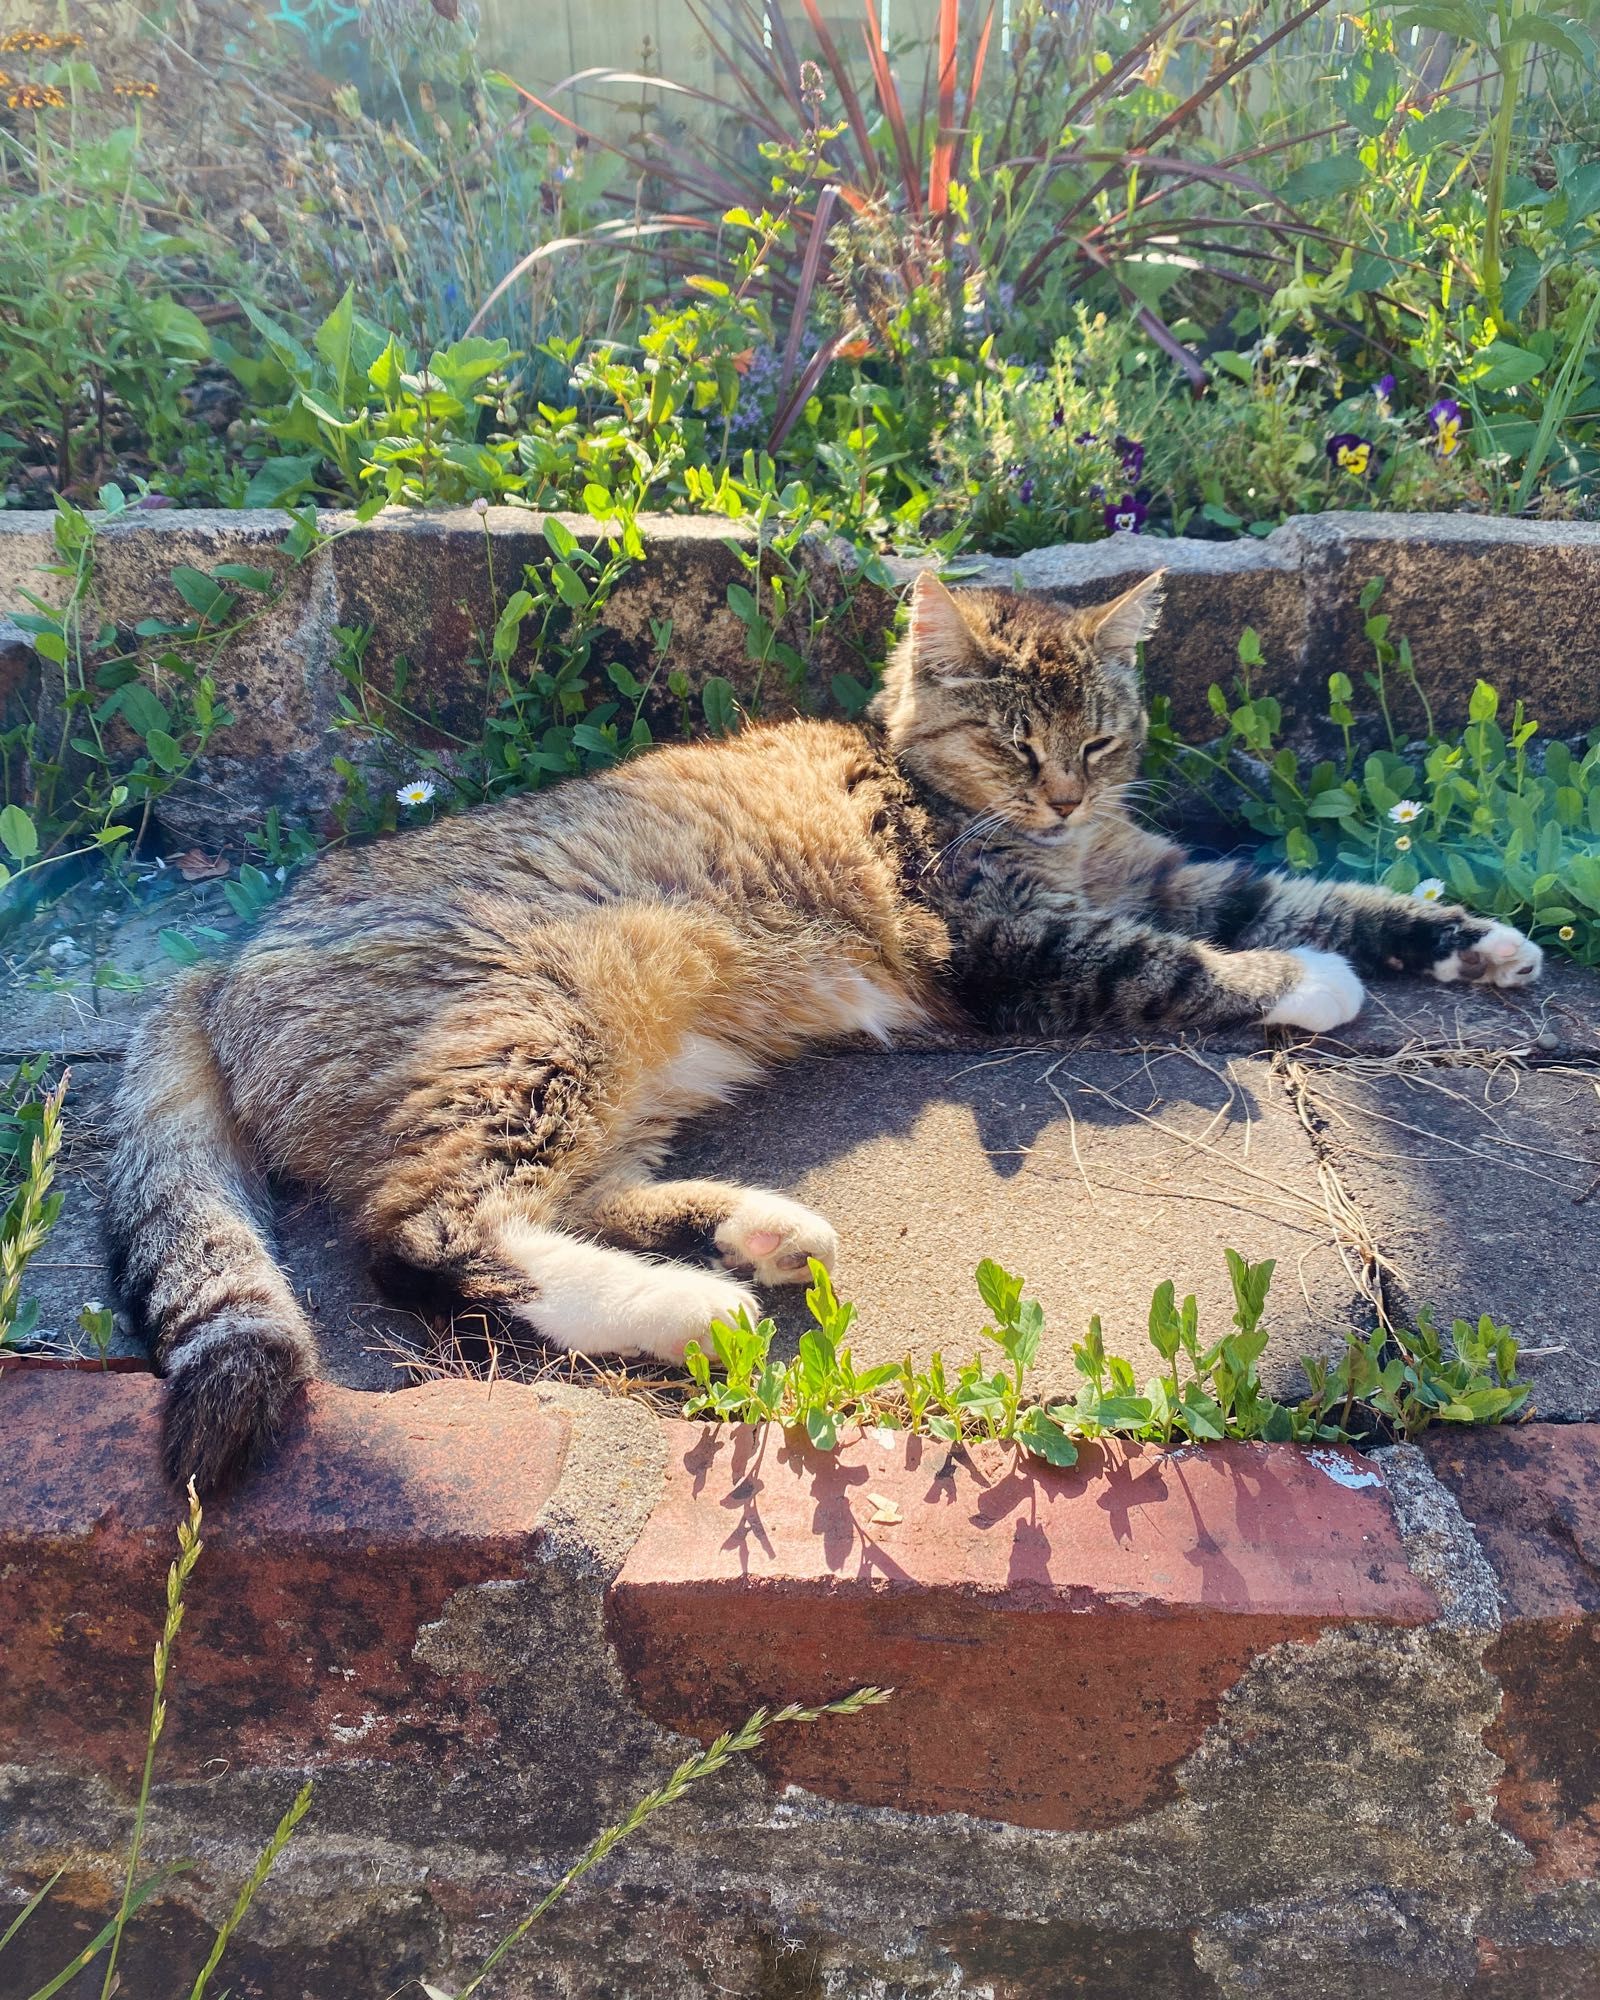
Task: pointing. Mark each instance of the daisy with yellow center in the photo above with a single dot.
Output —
(1403, 844)
(416, 793)
(1566, 933)
(1404, 811)
(1430, 891)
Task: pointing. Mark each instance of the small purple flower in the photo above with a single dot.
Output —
(1058, 418)
(1127, 515)
(1131, 453)
(1445, 416)
(1349, 453)
(1385, 389)
(1085, 437)
(1025, 493)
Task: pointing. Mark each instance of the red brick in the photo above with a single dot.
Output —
(79, 1364)
(1533, 1494)
(314, 1582)
(1058, 1641)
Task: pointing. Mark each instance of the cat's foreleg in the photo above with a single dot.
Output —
(753, 1231)
(1230, 903)
(1086, 969)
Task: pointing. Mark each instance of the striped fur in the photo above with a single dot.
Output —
(478, 1038)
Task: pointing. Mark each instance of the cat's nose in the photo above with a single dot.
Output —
(1063, 796)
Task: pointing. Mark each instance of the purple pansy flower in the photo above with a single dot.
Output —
(1127, 515)
(1085, 437)
(1445, 416)
(1131, 453)
(1385, 389)
(1350, 453)
(1025, 492)
(1058, 418)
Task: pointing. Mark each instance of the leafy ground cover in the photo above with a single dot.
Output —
(1150, 269)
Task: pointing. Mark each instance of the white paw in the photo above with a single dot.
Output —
(591, 1299)
(775, 1239)
(1499, 956)
(1327, 994)
(683, 1307)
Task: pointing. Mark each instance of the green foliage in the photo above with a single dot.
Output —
(1201, 1393)
(392, 432)
(30, 1140)
(92, 335)
(137, 710)
(1472, 817)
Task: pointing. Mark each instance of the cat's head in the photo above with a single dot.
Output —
(1014, 705)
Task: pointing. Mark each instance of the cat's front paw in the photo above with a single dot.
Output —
(775, 1239)
(1326, 995)
(1496, 956)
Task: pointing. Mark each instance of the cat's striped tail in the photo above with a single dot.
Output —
(186, 1224)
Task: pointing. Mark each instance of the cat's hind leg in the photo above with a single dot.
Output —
(571, 1292)
(753, 1231)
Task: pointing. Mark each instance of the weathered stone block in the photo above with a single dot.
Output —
(1513, 601)
(1533, 1497)
(1058, 1642)
(300, 1646)
(427, 588)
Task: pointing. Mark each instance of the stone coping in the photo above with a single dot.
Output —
(482, 1617)
(1513, 601)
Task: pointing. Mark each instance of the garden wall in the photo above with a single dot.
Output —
(1204, 1725)
(1515, 602)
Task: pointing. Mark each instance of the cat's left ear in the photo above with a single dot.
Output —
(941, 640)
(1118, 628)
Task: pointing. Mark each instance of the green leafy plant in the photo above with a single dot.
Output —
(1474, 817)
(393, 432)
(1203, 1392)
(1513, 34)
(95, 339)
(133, 711)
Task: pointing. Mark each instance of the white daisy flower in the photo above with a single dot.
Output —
(1430, 891)
(417, 793)
(1405, 811)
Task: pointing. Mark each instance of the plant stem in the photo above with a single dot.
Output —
(731, 1744)
(189, 1546)
(1499, 162)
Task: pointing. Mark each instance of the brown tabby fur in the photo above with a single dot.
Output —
(479, 1037)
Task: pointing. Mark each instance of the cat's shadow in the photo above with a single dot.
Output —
(853, 1131)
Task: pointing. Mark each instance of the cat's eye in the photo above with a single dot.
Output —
(1099, 747)
(1027, 753)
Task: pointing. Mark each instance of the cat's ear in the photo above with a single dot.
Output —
(941, 644)
(1116, 629)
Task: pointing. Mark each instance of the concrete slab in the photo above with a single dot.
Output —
(1095, 1175)
(1558, 1017)
(76, 977)
(1482, 1185)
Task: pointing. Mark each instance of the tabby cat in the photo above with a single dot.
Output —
(479, 1037)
